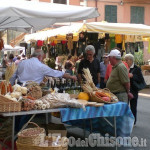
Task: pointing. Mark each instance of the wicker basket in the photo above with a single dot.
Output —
(7, 105)
(36, 136)
(21, 146)
(94, 98)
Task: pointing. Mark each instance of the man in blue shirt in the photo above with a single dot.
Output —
(34, 70)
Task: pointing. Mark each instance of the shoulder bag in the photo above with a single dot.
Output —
(139, 85)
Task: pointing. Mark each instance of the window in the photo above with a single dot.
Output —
(137, 15)
(111, 13)
(60, 1)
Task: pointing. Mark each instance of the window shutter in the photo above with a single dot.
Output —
(137, 15)
(111, 13)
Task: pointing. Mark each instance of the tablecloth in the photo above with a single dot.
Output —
(147, 80)
(120, 110)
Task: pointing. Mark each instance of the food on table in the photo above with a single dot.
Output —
(17, 88)
(24, 90)
(56, 100)
(98, 95)
(84, 96)
(34, 90)
(27, 104)
(5, 87)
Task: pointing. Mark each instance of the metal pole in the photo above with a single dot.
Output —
(115, 131)
(13, 132)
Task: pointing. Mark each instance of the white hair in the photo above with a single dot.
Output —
(90, 48)
(129, 56)
(37, 53)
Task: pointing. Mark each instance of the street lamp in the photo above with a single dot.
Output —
(121, 3)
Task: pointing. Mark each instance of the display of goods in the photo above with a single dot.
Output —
(50, 62)
(97, 95)
(18, 88)
(27, 103)
(56, 100)
(88, 86)
(34, 90)
(84, 96)
(8, 105)
(5, 87)
(32, 136)
(103, 96)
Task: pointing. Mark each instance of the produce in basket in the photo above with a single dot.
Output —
(97, 95)
(88, 86)
(34, 90)
(32, 136)
(27, 104)
(5, 87)
(84, 96)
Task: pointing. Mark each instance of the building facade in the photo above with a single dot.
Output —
(118, 11)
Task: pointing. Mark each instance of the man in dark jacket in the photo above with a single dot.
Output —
(91, 63)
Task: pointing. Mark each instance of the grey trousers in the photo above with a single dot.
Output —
(123, 97)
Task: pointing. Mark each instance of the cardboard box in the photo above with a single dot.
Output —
(56, 129)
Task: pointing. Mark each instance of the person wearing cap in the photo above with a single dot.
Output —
(118, 82)
(92, 63)
(103, 67)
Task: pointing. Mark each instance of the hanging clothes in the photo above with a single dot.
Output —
(118, 38)
(130, 39)
(112, 42)
(123, 43)
(1, 44)
(70, 43)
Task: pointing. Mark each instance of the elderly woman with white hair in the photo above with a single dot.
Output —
(92, 63)
(135, 75)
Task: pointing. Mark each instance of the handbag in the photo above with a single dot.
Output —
(139, 85)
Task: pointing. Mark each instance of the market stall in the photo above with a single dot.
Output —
(29, 99)
(104, 36)
(17, 50)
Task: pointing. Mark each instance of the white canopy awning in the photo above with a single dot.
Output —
(16, 48)
(74, 28)
(24, 15)
(118, 28)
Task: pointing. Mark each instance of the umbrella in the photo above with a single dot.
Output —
(24, 15)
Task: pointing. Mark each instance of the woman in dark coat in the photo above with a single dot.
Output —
(135, 74)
